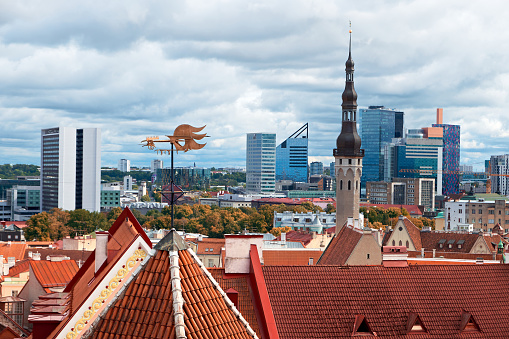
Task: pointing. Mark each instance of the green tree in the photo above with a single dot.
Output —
(38, 227)
(145, 198)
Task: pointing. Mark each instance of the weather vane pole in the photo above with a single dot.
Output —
(183, 139)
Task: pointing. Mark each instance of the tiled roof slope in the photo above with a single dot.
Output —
(146, 308)
(323, 301)
(414, 232)
(13, 249)
(19, 267)
(53, 274)
(297, 236)
(290, 257)
(430, 241)
(341, 246)
(208, 243)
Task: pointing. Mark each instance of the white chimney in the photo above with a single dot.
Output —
(237, 258)
(101, 248)
(36, 256)
(283, 237)
(5, 269)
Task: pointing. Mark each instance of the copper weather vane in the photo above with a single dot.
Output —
(183, 139)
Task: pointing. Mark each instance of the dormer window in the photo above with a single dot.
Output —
(414, 324)
(468, 324)
(361, 326)
(441, 243)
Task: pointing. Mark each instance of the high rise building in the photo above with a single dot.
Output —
(124, 165)
(316, 168)
(418, 155)
(348, 153)
(378, 125)
(451, 155)
(499, 164)
(261, 163)
(155, 165)
(70, 168)
(292, 157)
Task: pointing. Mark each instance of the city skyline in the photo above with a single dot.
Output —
(137, 70)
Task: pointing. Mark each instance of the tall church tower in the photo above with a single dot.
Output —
(348, 154)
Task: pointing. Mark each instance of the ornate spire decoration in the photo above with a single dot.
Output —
(349, 142)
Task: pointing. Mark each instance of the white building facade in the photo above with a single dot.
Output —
(70, 168)
(124, 165)
(155, 165)
(261, 163)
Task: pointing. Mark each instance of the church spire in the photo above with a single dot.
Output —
(348, 142)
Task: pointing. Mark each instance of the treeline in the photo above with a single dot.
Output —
(8, 171)
(229, 179)
(381, 218)
(116, 175)
(211, 221)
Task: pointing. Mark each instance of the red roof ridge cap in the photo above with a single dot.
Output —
(263, 293)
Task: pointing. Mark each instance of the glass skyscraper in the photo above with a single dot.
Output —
(451, 158)
(292, 157)
(378, 125)
(261, 163)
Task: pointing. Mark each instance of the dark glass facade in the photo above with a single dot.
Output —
(292, 157)
(451, 159)
(378, 127)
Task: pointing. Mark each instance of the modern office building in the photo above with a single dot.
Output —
(292, 157)
(402, 191)
(451, 155)
(124, 165)
(155, 165)
(25, 201)
(419, 155)
(378, 126)
(499, 165)
(261, 163)
(70, 168)
(316, 168)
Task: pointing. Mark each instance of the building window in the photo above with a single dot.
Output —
(349, 185)
(400, 243)
(480, 211)
(491, 221)
(460, 210)
(367, 256)
(480, 220)
(473, 211)
(341, 184)
(407, 244)
(491, 212)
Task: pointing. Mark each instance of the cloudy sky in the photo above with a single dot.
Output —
(141, 68)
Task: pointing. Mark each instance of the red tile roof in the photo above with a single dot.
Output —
(298, 236)
(341, 246)
(19, 224)
(53, 274)
(145, 310)
(432, 240)
(323, 301)
(290, 257)
(13, 249)
(239, 283)
(414, 232)
(210, 243)
(19, 267)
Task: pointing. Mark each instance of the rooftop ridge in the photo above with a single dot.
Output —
(171, 242)
(178, 300)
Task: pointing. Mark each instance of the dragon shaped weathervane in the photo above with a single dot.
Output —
(183, 139)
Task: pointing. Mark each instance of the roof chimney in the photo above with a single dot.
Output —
(101, 248)
(36, 256)
(440, 116)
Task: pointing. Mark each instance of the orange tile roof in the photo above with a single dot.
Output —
(210, 243)
(53, 273)
(240, 283)
(290, 257)
(341, 246)
(145, 310)
(14, 249)
(19, 267)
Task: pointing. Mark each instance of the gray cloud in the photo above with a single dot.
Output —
(137, 69)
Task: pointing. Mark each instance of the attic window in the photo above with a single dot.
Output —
(361, 326)
(441, 243)
(460, 243)
(468, 323)
(211, 249)
(414, 324)
(206, 249)
(450, 242)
